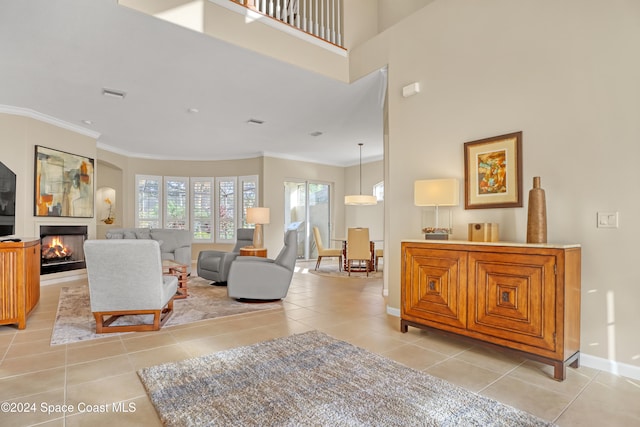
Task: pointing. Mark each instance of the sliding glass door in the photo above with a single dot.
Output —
(306, 206)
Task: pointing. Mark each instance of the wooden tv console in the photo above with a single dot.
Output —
(19, 280)
(522, 298)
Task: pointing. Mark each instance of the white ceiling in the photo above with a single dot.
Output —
(56, 56)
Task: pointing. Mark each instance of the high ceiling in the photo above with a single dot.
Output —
(56, 56)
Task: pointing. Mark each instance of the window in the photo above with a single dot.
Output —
(148, 201)
(176, 206)
(211, 207)
(202, 205)
(378, 191)
(226, 202)
(249, 186)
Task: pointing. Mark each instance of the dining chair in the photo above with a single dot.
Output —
(326, 252)
(379, 254)
(358, 248)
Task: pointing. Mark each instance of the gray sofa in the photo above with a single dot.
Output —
(174, 244)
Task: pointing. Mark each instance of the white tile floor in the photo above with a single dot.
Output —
(104, 371)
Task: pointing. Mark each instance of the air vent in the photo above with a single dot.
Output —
(114, 93)
(255, 121)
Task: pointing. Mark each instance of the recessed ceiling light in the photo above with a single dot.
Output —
(193, 110)
(316, 133)
(114, 93)
(87, 122)
(255, 121)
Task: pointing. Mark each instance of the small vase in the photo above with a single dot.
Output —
(537, 215)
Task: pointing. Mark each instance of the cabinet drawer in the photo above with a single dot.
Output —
(513, 297)
(433, 289)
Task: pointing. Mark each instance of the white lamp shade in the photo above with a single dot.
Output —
(360, 199)
(258, 216)
(436, 192)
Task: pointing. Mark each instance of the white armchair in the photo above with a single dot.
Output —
(125, 278)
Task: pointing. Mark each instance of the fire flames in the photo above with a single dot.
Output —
(56, 250)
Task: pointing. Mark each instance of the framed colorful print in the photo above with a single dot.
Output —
(493, 172)
(63, 184)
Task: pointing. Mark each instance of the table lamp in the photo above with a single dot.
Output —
(437, 192)
(259, 217)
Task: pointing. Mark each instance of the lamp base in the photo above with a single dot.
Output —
(258, 237)
(436, 236)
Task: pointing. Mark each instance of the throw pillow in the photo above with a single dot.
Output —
(130, 235)
(143, 234)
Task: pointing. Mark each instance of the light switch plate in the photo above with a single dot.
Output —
(607, 219)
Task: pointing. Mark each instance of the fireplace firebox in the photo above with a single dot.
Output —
(62, 248)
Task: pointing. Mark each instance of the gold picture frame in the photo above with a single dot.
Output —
(493, 172)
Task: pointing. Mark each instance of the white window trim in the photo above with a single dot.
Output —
(217, 207)
(137, 197)
(213, 209)
(165, 206)
(241, 181)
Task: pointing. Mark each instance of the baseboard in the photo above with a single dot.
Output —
(68, 276)
(393, 311)
(610, 366)
(586, 360)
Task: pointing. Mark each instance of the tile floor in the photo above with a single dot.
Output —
(37, 378)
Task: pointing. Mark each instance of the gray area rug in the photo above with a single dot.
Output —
(312, 379)
(75, 322)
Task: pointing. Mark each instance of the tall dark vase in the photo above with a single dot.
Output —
(537, 215)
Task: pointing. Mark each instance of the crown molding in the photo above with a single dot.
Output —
(26, 112)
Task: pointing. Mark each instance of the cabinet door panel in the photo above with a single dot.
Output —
(513, 298)
(433, 291)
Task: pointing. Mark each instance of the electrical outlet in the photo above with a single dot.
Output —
(607, 219)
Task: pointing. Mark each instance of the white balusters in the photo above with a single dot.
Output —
(321, 18)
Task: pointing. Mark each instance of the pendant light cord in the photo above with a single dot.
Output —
(360, 144)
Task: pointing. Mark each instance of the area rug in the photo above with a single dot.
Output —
(312, 379)
(332, 270)
(74, 321)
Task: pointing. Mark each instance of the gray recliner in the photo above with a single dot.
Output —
(257, 278)
(214, 265)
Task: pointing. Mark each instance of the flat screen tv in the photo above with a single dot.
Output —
(7, 201)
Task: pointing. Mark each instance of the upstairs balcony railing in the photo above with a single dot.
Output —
(320, 18)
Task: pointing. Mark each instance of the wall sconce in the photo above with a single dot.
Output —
(437, 192)
(258, 216)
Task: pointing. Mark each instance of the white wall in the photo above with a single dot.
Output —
(566, 74)
(18, 137)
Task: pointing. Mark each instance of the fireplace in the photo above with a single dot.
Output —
(62, 248)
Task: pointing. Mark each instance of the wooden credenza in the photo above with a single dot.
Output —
(516, 297)
(19, 280)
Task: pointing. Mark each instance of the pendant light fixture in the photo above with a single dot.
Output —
(360, 199)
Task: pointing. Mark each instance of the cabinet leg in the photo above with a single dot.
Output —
(404, 328)
(559, 371)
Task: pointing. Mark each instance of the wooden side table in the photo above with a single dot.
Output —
(179, 270)
(251, 251)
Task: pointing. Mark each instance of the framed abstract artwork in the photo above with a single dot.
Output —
(493, 172)
(63, 184)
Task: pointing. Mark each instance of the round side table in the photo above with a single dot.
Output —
(251, 251)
